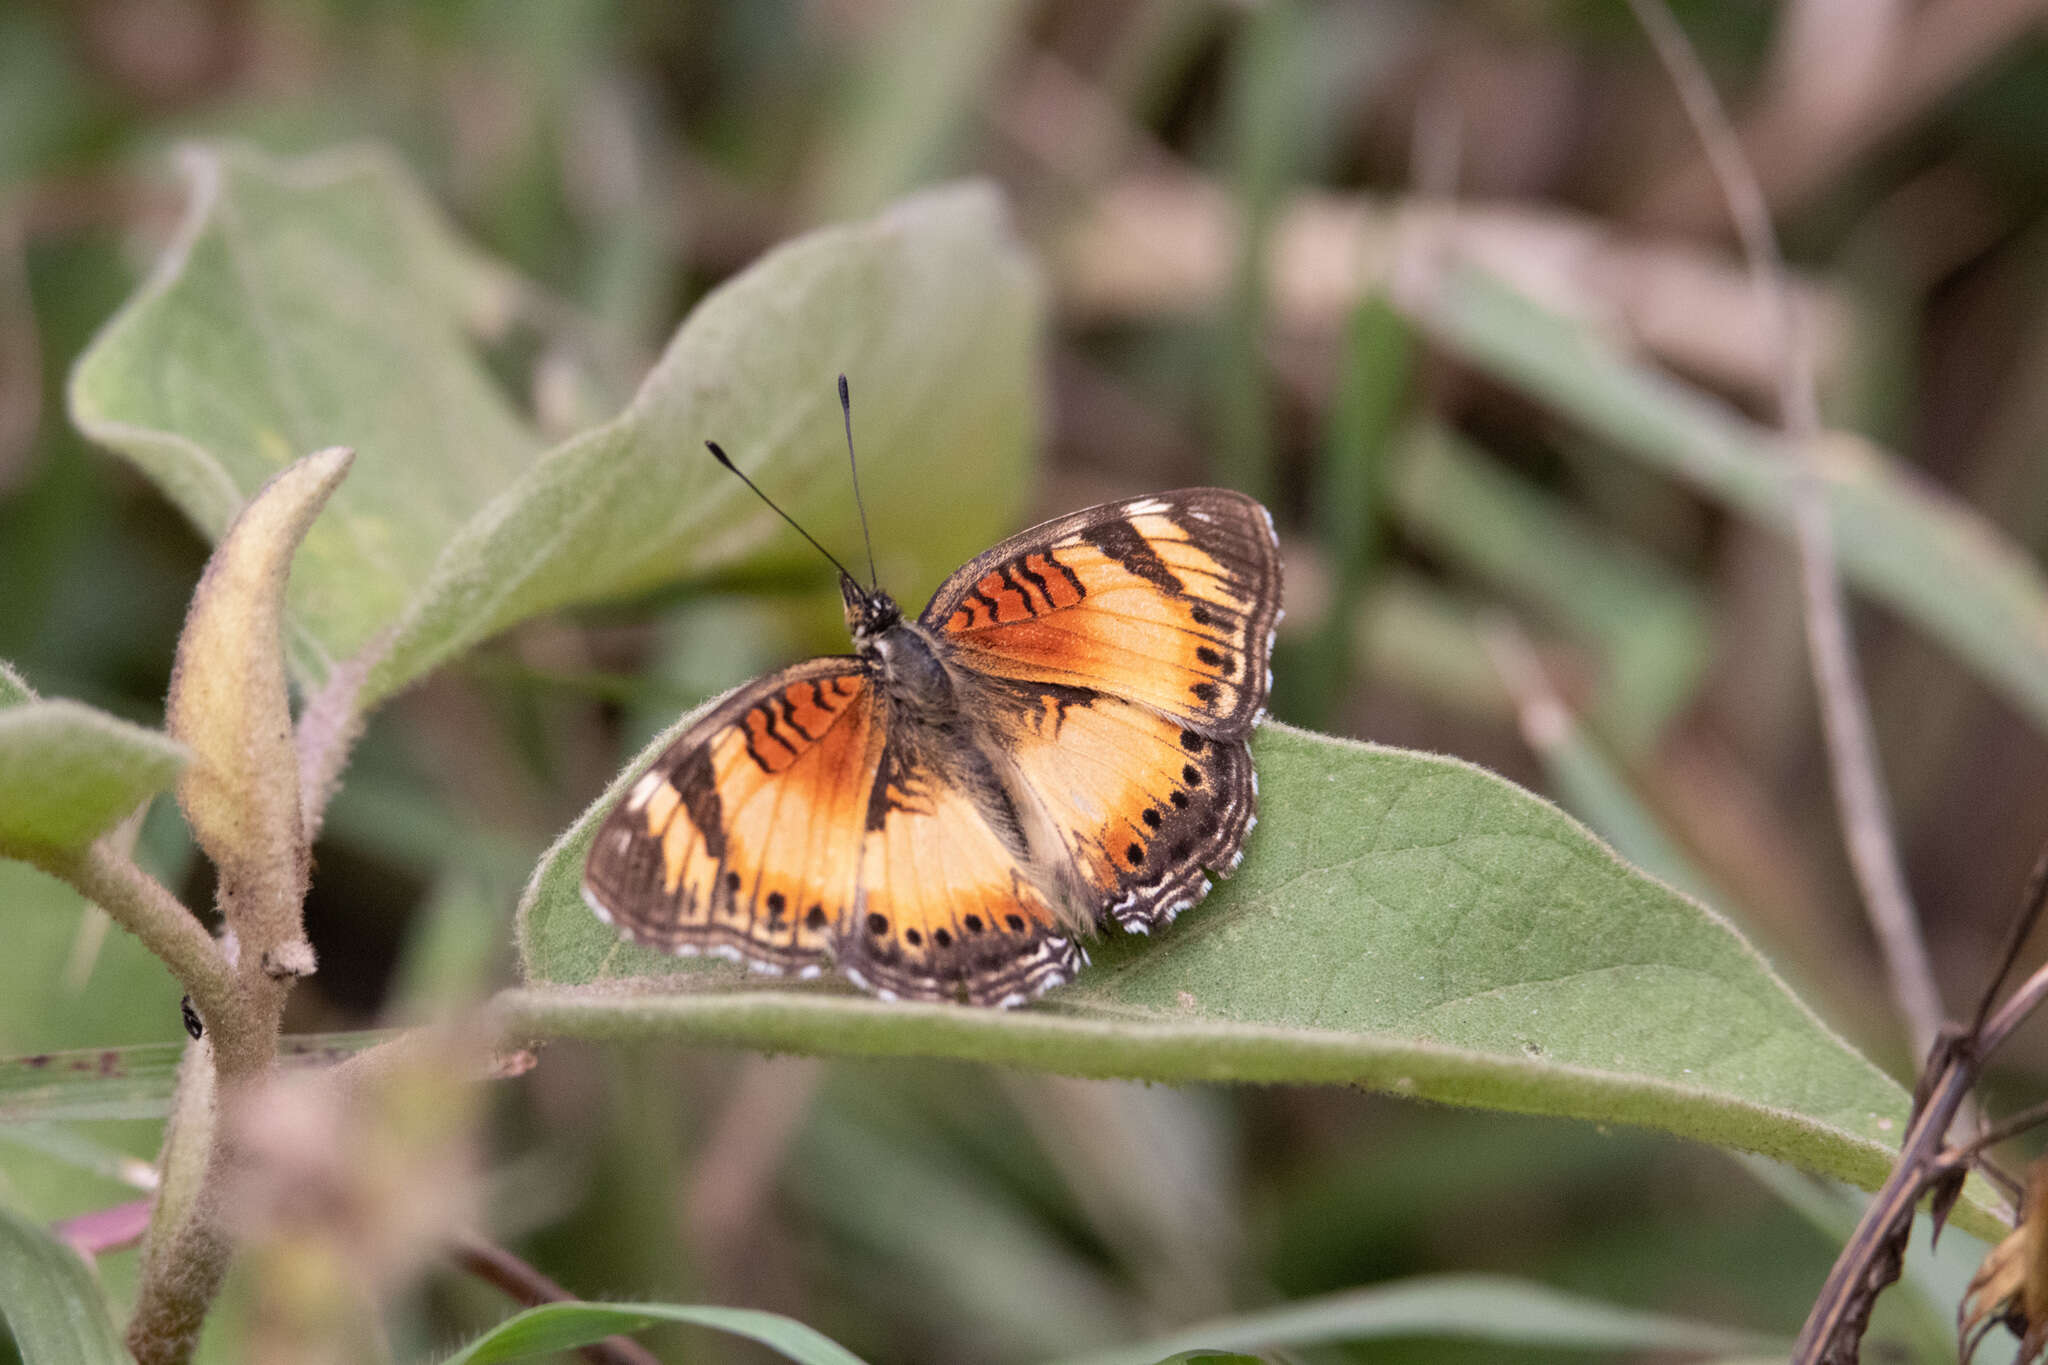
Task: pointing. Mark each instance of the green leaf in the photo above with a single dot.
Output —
(304, 304)
(135, 1082)
(1466, 1307)
(1401, 921)
(322, 301)
(1930, 557)
(52, 1303)
(69, 773)
(931, 310)
(561, 1326)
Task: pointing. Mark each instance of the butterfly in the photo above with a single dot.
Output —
(1058, 742)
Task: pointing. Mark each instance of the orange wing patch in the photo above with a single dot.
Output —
(1170, 601)
(948, 909)
(743, 839)
(1141, 804)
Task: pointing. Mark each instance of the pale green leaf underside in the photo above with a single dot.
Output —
(564, 1326)
(52, 1304)
(1401, 921)
(68, 773)
(304, 304)
(322, 301)
(933, 313)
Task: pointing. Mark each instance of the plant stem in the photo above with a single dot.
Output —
(146, 908)
(187, 1249)
(1845, 712)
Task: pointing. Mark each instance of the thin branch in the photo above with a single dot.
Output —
(1845, 717)
(2012, 1125)
(146, 908)
(2031, 905)
(1870, 1259)
(527, 1286)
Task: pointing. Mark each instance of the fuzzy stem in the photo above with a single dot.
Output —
(144, 907)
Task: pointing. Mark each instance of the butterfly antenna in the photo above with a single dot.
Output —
(846, 412)
(726, 460)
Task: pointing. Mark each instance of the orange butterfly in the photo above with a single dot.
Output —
(1059, 740)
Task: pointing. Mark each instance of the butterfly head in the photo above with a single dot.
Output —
(870, 612)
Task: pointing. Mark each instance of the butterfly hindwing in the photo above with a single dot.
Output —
(1168, 600)
(948, 908)
(1124, 657)
(1141, 804)
(743, 838)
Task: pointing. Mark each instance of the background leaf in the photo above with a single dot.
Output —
(52, 1303)
(13, 689)
(559, 1326)
(932, 311)
(304, 304)
(322, 301)
(1465, 1307)
(1401, 921)
(135, 1081)
(69, 773)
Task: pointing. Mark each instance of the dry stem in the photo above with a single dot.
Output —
(1845, 716)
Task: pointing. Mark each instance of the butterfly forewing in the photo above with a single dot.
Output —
(1169, 601)
(743, 839)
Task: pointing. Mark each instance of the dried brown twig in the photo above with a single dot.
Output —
(1845, 716)
(1871, 1258)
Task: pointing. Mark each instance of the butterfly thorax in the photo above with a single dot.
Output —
(901, 655)
(905, 660)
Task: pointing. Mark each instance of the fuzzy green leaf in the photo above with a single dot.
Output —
(52, 1303)
(229, 702)
(932, 312)
(69, 773)
(305, 304)
(1401, 921)
(322, 301)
